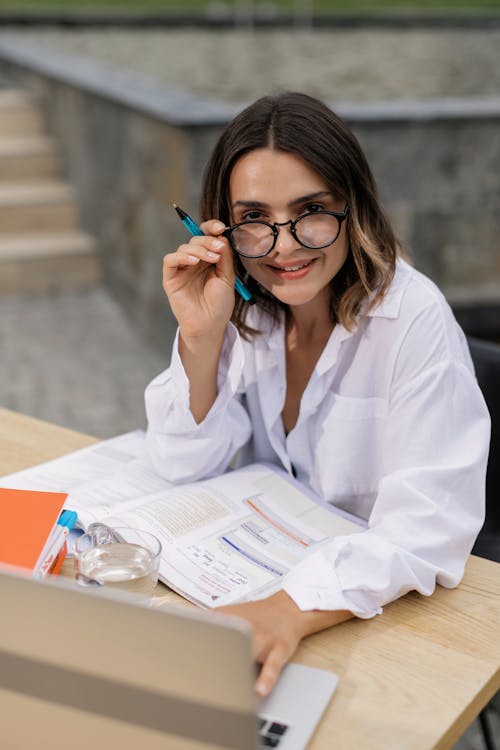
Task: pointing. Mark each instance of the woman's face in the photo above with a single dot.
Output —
(275, 186)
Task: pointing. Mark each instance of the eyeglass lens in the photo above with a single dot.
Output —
(313, 230)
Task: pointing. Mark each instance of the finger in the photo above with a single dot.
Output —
(271, 670)
(225, 267)
(192, 253)
(174, 262)
(208, 241)
(205, 248)
(214, 250)
(213, 227)
(261, 645)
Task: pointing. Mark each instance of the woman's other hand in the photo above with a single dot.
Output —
(278, 626)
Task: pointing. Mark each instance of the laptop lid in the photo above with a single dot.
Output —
(77, 666)
(80, 664)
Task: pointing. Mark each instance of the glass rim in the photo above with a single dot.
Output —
(112, 535)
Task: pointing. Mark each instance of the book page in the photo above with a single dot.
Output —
(124, 487)
(234, 537)
(92, 462)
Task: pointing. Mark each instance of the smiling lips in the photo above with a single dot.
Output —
(295, 271)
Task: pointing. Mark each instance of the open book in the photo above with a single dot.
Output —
(226, 539)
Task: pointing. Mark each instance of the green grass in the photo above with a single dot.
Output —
(282, 5)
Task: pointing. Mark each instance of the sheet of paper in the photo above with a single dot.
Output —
(92, 462)
(125, 486)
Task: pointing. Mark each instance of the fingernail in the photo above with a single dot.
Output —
(212, 256)
(193, 259)
(218, 225)
(218, 244)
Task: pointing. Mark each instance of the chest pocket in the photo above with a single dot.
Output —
(350, 443)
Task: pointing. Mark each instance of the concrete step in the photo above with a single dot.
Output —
(42, 206)
(40, 264)
(27, 158)
(41, 249)
(19, 114)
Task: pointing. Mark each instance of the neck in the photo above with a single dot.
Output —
(311, 322)
(315, 313)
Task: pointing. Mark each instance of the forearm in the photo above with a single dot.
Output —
(314, 620)
(307, 622)
(182, 449)
(200, 359)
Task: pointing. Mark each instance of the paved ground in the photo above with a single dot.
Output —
(75, 360)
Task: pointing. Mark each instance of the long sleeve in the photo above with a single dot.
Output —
(430, 501)
(181, 449)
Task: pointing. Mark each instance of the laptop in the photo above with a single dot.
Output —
(83, 668)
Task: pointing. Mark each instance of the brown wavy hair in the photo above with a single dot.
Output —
(301, 125)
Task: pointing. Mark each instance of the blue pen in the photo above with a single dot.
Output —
(195, 230)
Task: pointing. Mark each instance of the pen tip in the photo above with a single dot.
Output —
(181, 214)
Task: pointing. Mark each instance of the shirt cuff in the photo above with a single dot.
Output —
(315, 584)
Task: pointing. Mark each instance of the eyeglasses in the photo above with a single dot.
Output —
(255, 239)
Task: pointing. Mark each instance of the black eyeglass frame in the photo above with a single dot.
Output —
(341, 216)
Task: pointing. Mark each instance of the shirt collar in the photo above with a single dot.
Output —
(390, 305)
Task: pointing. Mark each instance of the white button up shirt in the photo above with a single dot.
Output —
(392, 428)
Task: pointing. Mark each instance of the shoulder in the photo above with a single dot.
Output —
(418, 324)
(410, 292)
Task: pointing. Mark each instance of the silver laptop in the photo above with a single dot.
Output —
(87, 669)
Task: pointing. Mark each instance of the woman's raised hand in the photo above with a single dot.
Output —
(198, 279)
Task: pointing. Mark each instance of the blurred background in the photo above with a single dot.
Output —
(108, 112)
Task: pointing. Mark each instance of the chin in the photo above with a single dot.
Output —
(294, 297)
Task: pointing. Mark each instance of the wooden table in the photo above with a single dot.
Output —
(414, 677)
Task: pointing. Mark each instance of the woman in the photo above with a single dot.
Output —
(349, 371)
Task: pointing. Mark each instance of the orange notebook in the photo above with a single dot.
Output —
(26, 519)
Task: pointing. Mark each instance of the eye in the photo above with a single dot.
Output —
(311, 208)
(254, 215)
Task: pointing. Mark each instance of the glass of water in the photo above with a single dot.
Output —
(120, 558)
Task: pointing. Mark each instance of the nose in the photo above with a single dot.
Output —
(286, 242)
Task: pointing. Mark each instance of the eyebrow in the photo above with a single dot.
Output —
(296, 202)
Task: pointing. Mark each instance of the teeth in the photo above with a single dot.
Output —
(292, 268)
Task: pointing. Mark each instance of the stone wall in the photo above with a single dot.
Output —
(438, 174)
(131, 148)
